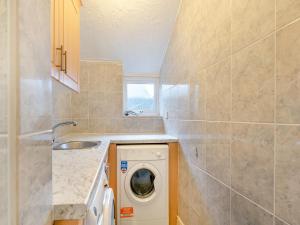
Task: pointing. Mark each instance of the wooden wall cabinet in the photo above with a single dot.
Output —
(65, 42)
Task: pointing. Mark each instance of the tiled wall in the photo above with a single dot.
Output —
(35, 107)
(61, 97)
(230, 88)
(98, 106)
(3, 113)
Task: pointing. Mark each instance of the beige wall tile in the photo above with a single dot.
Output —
(3, 101)
(244, 212)
(287, 11)
(252, 163)
(253, 82)
(62, 107)
(218, 203)
(3, 125)
(196, 96)
(35, 102)
(209, 199)
(35, 179)
(279, 222)
(193, 142)
(178, 102)
(180, 107)
(288, 79)
(251, 21)
(96, 104)
(218, 150)
(212, 19)
(287, 178)
(105, 76)
(4, 180)
(158, 125)
(98, 125)
(80, 105)
(184, 208)
(84, 75)
(194, 218)
(184, 176)
(198, 192)
(184, 212)
(61, 98)
(218, 91)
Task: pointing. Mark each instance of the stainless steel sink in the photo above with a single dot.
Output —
(76, 145)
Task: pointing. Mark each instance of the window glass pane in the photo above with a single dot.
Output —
(140, 97)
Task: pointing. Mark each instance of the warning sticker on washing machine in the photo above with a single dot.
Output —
(126, 212)
(124, 166)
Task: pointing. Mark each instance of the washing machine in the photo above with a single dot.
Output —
(143, 184)
(101, 209)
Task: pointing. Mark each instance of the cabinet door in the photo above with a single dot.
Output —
(57, 37)
(71, 43)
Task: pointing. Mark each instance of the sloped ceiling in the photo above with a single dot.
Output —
(135, 32)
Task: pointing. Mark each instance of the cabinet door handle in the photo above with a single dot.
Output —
(61, 49)
(65, 69)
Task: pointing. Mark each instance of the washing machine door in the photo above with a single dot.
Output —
(100, 221)
(143, 183)
(108, 207)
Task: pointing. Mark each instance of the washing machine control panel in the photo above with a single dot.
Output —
(158, 154)
(141, 154)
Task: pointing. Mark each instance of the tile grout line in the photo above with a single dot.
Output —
(88, 86)
(282, 220)
(266, 36)
(237, 122)
(240, 194)
(233, 190)
(275, 114)
(37, 133)
(237, 192)
(288, 24)
(231, 105)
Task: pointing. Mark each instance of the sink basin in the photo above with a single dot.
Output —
(76, 145)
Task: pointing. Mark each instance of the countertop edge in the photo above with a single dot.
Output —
(143, 141)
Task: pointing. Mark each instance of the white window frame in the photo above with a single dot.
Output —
(142, 79)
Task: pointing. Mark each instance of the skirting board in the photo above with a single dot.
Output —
(179, 222)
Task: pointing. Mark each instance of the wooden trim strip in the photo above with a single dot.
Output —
(113, 165)
(68, 222)
(173, 183)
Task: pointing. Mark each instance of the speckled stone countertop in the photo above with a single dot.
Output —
(75, 172)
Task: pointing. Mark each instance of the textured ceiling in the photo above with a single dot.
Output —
(135, 32)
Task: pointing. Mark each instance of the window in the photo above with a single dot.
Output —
(141, 96)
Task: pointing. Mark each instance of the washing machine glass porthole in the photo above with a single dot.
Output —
(142, 183)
